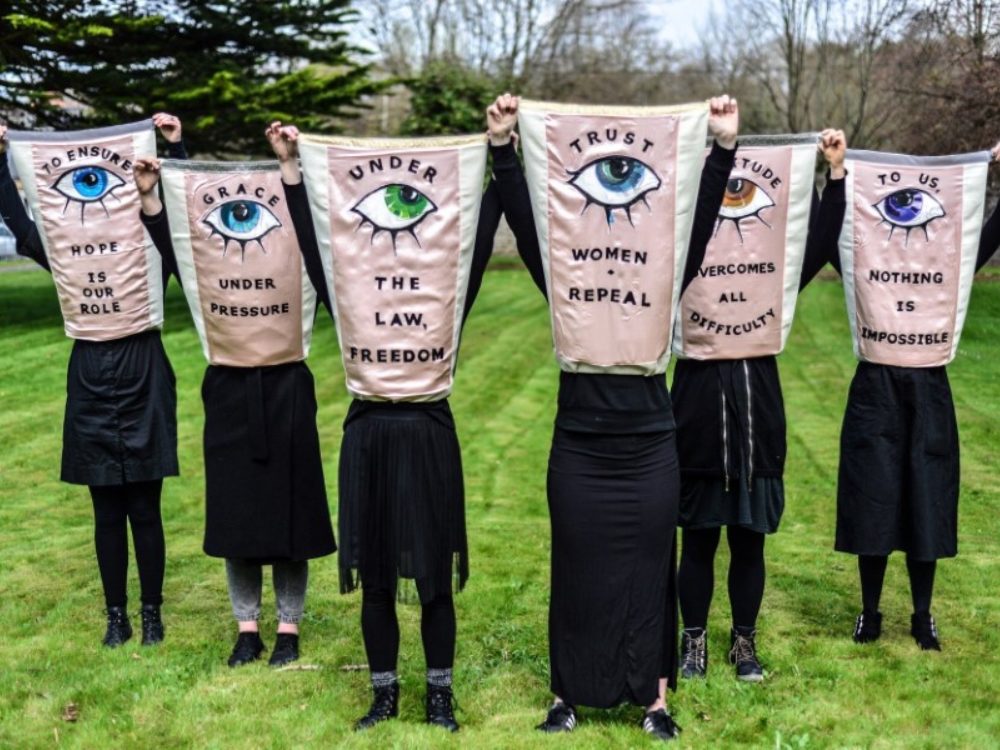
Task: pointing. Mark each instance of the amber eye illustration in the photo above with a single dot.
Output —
(87, 186)
(744, 199)
(909, 209)
(242, 222)
(615, 182)
(394, 208)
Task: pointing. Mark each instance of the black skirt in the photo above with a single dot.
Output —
(710, 503)
(899, 466)
(121, 412)
(402, 499)
(265, 498)
(612, 617)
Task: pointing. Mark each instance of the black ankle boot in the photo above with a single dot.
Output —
(286, 649)
(385, 706)
(868, 627)
(119, 628)
(152, 625)
(694, 653)
(744, 654)
(441, 707)
(248, 648)
(924, 631)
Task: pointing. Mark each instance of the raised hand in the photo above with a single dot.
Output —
(147, 174)
(169, 126)
(724, 120)
(284, 140)
(995, 151)
(501, 116)
(3, 138)
(833, 144)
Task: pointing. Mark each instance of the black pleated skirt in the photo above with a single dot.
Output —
(121, 412)
(899, 464)
(612, 618)
(402, 499)
(265, 498)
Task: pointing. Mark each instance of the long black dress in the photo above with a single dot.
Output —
(613, 496)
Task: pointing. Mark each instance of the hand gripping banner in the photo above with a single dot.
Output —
(908, 253)
(396, 224)
(82, 195)
(742, 301)
(239, 261)
(613, 191)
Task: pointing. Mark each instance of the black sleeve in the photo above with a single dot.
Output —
(515, 201)
(29, 243)
(822, 244)
(298, 208)
(989, 240)
(159, 231)
(714, 176)
(489, 220)
(177, 150)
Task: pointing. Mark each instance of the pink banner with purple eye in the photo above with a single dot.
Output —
(908, 252)
(81, 192)
(239, 261)
(613, 192)
(396, 222)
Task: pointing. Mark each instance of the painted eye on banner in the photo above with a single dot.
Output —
(743, 199)
(909, 209)
(242, 222)
(615, 182)
(87, 185)
(394, 208)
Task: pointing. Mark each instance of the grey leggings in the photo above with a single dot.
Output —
(246, 580)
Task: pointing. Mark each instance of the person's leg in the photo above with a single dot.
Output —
(871, 569)
(695, 584)
(922, 625)
(290, 581)
(380, 631)
(245, 580)
(143, 500)
(746, 591)
(111, 544)
(437, 630)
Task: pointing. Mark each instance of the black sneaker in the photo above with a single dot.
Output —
(441, 707)
(248, 648)
(660, 724)
(924, 631)
(694, 653)
(560, 718)
(743, 654)
(286, 649)
(119, 628)
(868, 627)
(385, 706)
(152, 625)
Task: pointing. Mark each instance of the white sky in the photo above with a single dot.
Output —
(681, 19)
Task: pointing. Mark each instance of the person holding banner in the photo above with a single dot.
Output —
(912, 241)
(119, 431)
(734, 320)
(396, 235)
(227, 236)
(612, 223)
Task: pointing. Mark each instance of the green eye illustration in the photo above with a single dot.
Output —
(394, 208)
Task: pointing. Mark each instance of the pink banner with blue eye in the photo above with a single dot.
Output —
(908, 253)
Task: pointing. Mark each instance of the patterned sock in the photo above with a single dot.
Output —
(384, 679)
(439, 677)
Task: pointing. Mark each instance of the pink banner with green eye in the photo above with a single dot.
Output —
(82, 195)
(908, 253)
(613, 192)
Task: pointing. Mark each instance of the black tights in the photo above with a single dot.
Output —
(696, 577)
(872, 571)
(380, 629)
(115, 507)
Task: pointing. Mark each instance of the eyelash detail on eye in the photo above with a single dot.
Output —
(90, 184)
(909, 209)
(615, 182)
(743, 199)
(242, 222)
(394, 208)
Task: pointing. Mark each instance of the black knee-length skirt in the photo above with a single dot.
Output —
(899, 464)
(612, 618)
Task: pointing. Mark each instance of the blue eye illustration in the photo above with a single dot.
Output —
(242, 222)
(615, 182)
(86, 185)
(394, 208)
(743, 199)
(909, 209)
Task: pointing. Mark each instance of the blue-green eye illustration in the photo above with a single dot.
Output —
(909, 209)
(394, 208)
(615, 182)
(86, 185)
(241, 221)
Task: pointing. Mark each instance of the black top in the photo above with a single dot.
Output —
(607, 403)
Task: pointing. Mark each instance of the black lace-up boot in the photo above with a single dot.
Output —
(868, 627)
(924, 631)
(694, 653)
(744, 654)
(441, 707)
(119, 628)
(385, 706)
(152, 625)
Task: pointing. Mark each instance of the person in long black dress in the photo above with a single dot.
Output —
(731, 468)
(401, 493)
(613, 491)
(265, 498)
(119, 433)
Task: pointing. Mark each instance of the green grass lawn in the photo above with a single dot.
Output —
(822, 690)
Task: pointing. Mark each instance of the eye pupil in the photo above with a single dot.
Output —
(409, 195)
(904, 205)
(739, 193)
(241, 211)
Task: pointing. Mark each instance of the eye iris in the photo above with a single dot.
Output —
(904, 206)
(240, 216)
(739, 193)
(405, 202)
(90, 182)
(619, 174)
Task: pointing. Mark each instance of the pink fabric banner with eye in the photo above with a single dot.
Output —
(908, 252)
(82, 195)
(239, 261)
(396, 222)
(742, 301)
(613, 192)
